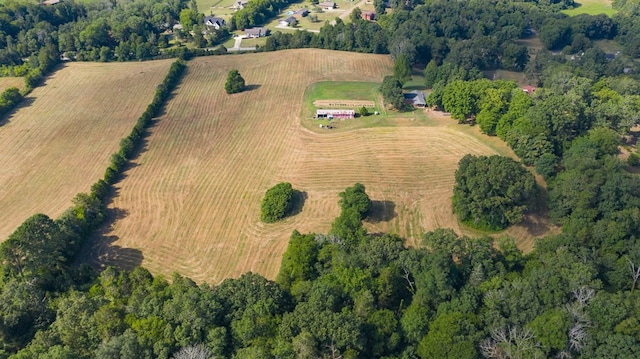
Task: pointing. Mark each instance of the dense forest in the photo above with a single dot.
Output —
(349, 293)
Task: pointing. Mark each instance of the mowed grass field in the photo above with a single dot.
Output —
(191, 202)
(592, 7)
(6, 82)
(59, 143)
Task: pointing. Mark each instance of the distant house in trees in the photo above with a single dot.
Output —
(290, 21)
(256, 32)
(528, 89)
(335, 114)
(368, 15)
(327, 5)
(415, 98)
(239, 5)
(51, 2)
(214, 22)
(301, 12)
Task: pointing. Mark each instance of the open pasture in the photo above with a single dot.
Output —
(343, 103)
(59, 143)
(191, 202)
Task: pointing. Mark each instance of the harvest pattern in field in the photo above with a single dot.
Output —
(6, 82)
(192, 202)
(60, 144)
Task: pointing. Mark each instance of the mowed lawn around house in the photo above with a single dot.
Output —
(592, 7)
(191, 201)
(61, 139)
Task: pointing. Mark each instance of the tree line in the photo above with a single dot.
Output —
(369, 297)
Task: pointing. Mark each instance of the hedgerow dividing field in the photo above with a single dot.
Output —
(59, 143)
(191, 202)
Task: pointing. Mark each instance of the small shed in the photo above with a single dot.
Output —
(528, 89)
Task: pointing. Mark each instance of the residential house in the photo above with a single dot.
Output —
(239, 5)
(290, 21)
(327, 5)
(255, 32)
(214, 22)
(415, 98)
(368, 15)
(528, 89)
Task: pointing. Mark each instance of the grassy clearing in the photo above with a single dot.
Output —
(60, 142)
(216, 7)
(192, 201)
(253, 42)
(592, 7)
(608, 46)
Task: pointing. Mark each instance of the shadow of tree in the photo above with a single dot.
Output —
(299, 197)
(26, 102)
(251, 87)
(381, 211)
(100, 251)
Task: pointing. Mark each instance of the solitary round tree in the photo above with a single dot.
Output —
(277, 202)
(492, 192)
(235, 82)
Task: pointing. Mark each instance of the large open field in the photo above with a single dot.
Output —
(60, 142)
(191, 202)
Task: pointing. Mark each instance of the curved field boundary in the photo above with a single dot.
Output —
(192, 202)
(60, 144)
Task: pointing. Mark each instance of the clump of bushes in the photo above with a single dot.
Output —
(492, 192)
(277, 202)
